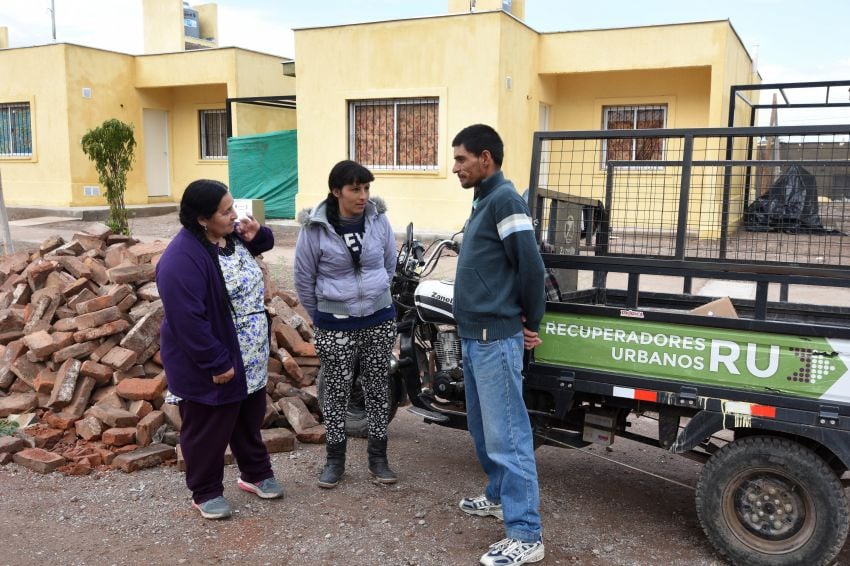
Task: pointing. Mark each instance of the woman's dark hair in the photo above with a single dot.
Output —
(200, 200)
(345, 172)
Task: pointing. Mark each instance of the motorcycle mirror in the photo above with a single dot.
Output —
(409, 233)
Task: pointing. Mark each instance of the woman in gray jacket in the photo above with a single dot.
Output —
(344, 262)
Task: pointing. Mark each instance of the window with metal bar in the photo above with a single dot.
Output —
(15, 129)
(394, 133)
(213, 134)
(633, 118)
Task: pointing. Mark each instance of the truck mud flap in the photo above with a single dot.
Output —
(560, 387)
(701, 426)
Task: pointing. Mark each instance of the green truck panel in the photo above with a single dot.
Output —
(814, 368)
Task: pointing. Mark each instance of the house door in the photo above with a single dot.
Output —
(157, 166)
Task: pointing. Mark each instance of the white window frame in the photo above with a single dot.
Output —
(634, 109)
(352, 131)
(7, 107)
(205, 153)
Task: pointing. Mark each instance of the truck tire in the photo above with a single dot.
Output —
(770, 501)
(356, 422)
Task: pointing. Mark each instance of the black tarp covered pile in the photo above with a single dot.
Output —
(791, 205)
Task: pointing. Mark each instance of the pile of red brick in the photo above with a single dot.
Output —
(80, 371)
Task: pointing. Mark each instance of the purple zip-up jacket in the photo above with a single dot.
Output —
(198, 338)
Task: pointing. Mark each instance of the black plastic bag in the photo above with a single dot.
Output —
(790, 205)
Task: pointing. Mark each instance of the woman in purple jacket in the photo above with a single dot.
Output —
(344, 261)
(214, 344)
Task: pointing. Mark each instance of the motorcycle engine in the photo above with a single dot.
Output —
(448, 381)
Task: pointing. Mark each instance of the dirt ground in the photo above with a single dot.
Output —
(598, 506)
(595, 512)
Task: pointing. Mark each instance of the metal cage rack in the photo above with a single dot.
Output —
(765, 205)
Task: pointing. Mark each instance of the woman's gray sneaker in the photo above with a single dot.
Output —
(266, 489)
(217, 508)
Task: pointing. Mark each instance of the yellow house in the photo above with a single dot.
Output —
(393, 94)
(174, 96)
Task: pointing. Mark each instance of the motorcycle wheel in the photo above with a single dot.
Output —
(356, 421)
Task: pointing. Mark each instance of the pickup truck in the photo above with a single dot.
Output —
(642, 228)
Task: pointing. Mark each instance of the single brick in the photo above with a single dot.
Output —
(39, 460)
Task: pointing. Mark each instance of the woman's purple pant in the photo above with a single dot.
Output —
(205, 434)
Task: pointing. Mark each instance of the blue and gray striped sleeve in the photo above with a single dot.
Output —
(517, 234)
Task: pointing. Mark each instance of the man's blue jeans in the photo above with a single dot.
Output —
(501, 431)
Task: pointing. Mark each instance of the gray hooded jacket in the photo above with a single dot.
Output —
(325, 277)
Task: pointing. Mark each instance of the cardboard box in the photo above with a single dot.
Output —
(720, 307)
(254, 207)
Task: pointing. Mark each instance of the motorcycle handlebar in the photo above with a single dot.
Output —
(413, 254)
(451, 245)
(418, 252)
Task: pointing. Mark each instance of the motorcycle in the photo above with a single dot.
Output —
(428, 369)
(429, 361)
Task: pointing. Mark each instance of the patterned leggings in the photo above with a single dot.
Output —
(337, 351)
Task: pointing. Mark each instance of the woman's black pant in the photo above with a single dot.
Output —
(337, 351)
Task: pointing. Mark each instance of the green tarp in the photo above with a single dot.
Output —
(265, 166)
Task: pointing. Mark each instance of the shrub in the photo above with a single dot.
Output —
(110, 146)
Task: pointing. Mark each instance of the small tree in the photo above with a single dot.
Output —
(110, 146)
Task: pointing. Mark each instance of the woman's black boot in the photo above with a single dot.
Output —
(334, 465)
(378, 465)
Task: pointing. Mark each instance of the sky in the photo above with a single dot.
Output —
(790, 40)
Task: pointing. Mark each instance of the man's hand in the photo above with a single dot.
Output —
(223, 378)
(248, 228)
(530, 338)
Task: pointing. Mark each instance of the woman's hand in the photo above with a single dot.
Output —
(248, 228)
(223, 378)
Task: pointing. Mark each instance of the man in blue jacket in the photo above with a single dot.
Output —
(498, 303)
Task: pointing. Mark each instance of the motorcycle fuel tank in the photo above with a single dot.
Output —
(434, 301)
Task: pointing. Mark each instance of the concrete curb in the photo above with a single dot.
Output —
(89, 213)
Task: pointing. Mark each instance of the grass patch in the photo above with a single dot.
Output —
(7, 428)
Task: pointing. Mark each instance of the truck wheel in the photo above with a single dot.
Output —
(773, 502)
(356, 422)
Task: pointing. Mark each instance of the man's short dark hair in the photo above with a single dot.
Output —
(477, 138)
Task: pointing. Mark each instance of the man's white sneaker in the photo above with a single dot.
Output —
(481, 506)
(511, 551)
